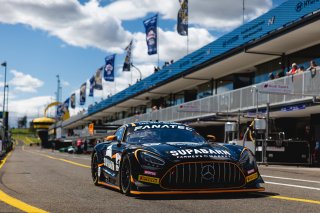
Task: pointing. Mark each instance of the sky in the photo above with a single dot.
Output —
(70, 38)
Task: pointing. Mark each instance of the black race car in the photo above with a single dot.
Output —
(171, 158)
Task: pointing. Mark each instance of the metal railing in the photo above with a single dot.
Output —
(243, 99)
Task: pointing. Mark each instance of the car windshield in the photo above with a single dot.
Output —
(158, 135)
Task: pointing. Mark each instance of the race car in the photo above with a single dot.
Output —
(171, 158)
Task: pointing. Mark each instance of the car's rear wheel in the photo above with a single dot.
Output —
(125, 175)
(94, 169)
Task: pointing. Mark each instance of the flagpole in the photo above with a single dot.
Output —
(131, 62)
(243, 10)
(158, 51)
(188, 29)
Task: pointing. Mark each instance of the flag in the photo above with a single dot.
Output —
(4, 64)
(65, 106)
(151, 34)
(91, 86)
(182, 26)
(59, 111)
(109, 68)
(83, 89)
(98, 79)
(63, 110)
(73, 101)
(127, 60)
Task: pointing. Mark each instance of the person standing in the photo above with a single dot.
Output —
(294, 69)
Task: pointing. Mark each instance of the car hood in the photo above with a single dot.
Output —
(189, 151)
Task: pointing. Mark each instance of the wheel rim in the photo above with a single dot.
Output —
(94, 168)
(125, 175)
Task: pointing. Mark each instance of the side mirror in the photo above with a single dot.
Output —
(111, 138)
(211, 138)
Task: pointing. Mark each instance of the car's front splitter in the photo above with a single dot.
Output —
(198, 192)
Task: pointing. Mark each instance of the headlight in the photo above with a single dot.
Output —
(248, 161)
(150, 159)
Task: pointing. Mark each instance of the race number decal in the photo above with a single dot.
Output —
(118, 159)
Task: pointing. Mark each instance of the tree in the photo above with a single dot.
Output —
(22, 122)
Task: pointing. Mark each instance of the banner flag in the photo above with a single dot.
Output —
(109, 68)
(151, 34)
(98, 79)
(59, 111)
(182, 26)
(73, 101)
(83, 89)
(127, 60)
(63, 110)
(91, 86)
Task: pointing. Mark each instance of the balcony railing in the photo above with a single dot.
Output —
(243, 99)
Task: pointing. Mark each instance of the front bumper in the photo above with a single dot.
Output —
(197, 192)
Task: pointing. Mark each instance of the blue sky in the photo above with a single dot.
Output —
(74, 40)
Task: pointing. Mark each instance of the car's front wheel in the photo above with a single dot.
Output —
(125, 175)
(94, 169)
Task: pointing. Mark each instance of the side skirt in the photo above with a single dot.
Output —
(109, 185)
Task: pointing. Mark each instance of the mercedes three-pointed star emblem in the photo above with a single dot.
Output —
(207, 172)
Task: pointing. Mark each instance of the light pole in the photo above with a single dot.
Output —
(7, 110)
(137, 70)
(4, 64)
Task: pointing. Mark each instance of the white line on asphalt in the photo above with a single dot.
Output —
(284, 178)
(291, 185)
(274, 167)
(64, 155)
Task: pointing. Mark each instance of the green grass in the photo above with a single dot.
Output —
(25, 135)
(22, 131)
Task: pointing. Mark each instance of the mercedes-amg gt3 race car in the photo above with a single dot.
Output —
(171, 158)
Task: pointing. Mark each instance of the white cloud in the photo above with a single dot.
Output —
(65, 83)
(92, 25)
(219, 15)
(171, 45)
(32, 107)
(79, 25)
(24, 82)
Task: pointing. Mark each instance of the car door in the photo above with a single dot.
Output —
(113, 152)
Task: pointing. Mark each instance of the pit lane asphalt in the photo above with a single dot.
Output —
(56, 182)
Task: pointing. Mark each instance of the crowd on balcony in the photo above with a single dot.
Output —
(295, 69)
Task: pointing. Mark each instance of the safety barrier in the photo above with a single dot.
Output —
(243, 99)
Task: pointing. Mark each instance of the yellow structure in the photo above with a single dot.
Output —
(43, 123)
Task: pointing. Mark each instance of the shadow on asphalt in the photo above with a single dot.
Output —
(218, 196)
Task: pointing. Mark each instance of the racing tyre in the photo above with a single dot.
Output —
(94, 169)
(125, 174)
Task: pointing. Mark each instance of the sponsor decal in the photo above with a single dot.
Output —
(148, 179)
(207, 172)
(151, 144)
(250, 171)
(163, 126)
(108, 163)
(118, 159)
(109, 151)
(147, 172)
(99, 171)
(183, 143)
(200, 153)
(303, 4)
(252, 177)
(276, 88)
